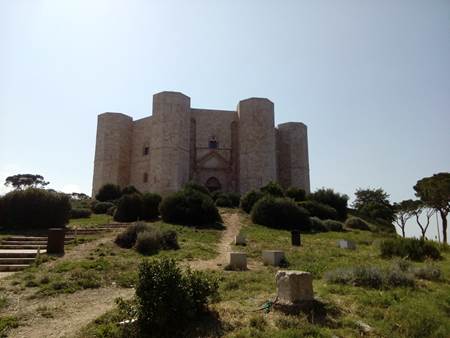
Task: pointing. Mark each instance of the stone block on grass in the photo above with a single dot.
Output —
(346, 244)
(273, 257)
(238, 261)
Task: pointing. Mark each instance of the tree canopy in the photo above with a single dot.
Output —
(374, 204)
(404, 210)
(434, 191)
(22, 181)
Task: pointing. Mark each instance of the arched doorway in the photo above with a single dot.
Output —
(213, 184)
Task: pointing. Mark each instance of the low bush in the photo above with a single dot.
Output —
(101, 207)
(111, 210)
(317, 225)
(150, 206)
(356, 223)
(80, 213)
(189, 207)
(411, 248)
(108, 192)
(130, 189)
(148, 242)
(319, 210)
(34, 209)
(280, 213)
(333, 199)
(297, 194)
(169, 298)
(223, 201)
(129, 208)
(333, 225)
(196, 186)
(273, 188)
(227, 199)
(371, 277)
(249, 200)
(427, 272)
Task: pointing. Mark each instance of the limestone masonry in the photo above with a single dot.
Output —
(224, 150)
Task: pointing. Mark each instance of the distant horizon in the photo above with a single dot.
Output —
(369, 79)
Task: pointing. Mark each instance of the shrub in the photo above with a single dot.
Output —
(372, 277)
(111, 210)
(34, 208)
(196, 186)
(168, 298)
(412, 248)
(249, 200)
(101, 207)
(189, 207)
(108, 192)
(224, 201)
(281, 213)
(334, 225)
(356, 223)
(296, 194)
(235, 199)
(319, 210)
(273, 188)
(127, 238)
(428, 272)
(317, 225)
(148, 242)
(129, 208)
(150, 205)
(129, 189)
(333, 199)
(80, 213)
(169, 240)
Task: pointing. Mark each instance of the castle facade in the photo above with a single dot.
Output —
(224, 150)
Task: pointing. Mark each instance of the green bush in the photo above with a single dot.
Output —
(101, 207)
(169, 240)
(168, 298)
(281, 213)
(223, 201)
(108, 192)
(272, 188)
(34, 209)
(297, 194)
(148, 242)
(333, 199)
(319, 210)
(317, 225)
(371, 277)
(356, 223)
(249, 200)
(150, 206)
(130, 189)
(226, 199)
(428, 272)
(129, 208)
(411, 248)
(189, 207)
(127, 238)
(80, 213)
(196, 186)
(333, 225)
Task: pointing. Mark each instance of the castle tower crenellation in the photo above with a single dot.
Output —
(228, 150)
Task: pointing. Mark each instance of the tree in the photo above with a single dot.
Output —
(333, 199)
(374, 204)
(419, 208)
(21, 181)
(403, 212)
(434, 191)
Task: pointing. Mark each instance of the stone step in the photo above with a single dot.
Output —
(13, 267)
(9, 242)
(26, 238)
(16, 260)
(22, 246)
(19, 253)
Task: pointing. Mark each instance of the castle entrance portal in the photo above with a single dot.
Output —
(213, 184)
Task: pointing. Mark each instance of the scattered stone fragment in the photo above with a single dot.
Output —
(346, 244)
(294, 286)
(240, 240)
(238, 261)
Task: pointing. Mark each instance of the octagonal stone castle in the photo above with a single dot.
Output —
(224, 150)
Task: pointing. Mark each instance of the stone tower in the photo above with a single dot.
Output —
(229, 150)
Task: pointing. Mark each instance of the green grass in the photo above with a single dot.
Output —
(7, 323)
(95, 219)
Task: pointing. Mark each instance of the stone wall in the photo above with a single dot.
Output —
(140, 158)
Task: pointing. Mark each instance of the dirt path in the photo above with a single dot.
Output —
(68, 313)
(233, 226)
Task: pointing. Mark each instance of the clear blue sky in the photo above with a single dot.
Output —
(371, 79)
